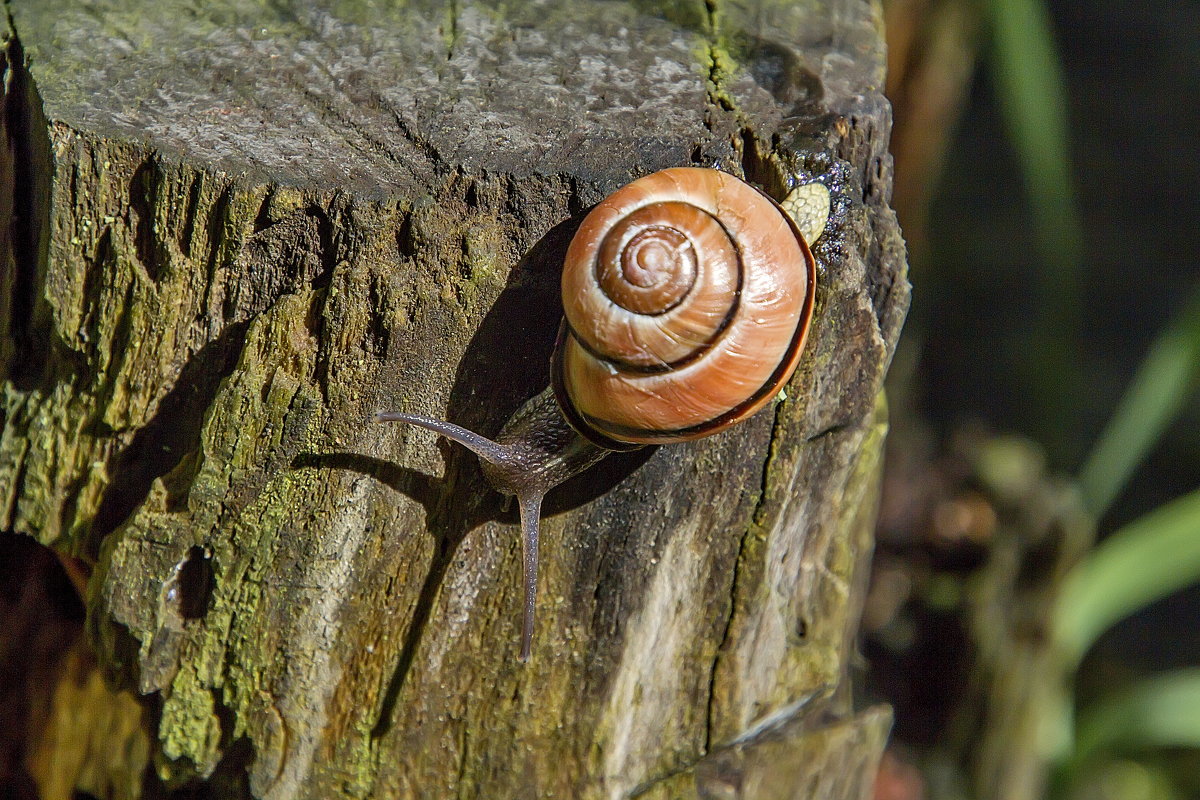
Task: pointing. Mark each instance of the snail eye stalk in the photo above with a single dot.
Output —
(526, 465)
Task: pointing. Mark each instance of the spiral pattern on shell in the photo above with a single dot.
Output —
(688, 295)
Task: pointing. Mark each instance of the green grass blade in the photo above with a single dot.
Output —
(1145, 561)
(1033, 97)
(1161, 711)
(1167, 377)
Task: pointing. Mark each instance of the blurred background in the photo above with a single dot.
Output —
(1035, 606)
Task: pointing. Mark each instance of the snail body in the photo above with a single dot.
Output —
(687, 298)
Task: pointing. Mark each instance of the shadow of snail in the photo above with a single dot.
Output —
(687, 297)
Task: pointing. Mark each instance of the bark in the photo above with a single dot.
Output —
(234, 232)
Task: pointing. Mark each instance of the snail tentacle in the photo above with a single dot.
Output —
(536, 451)
(481, 446)
(531, 512)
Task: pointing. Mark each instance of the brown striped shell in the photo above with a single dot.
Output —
(688, 294)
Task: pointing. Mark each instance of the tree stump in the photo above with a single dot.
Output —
(233, 233)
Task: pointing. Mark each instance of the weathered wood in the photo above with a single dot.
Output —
(234, 232)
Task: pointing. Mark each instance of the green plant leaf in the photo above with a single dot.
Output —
(1032, 91)
(1145, 561)
(1161, 711)
(1164, 381)
(1119, 779)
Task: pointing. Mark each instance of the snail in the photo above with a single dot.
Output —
(687, 296)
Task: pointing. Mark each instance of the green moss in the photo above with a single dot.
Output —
(189, 728)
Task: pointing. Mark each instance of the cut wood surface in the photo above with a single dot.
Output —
(233, 231)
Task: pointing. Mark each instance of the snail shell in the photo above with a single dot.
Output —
(688, 295)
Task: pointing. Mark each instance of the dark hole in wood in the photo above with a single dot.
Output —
(194, 584)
